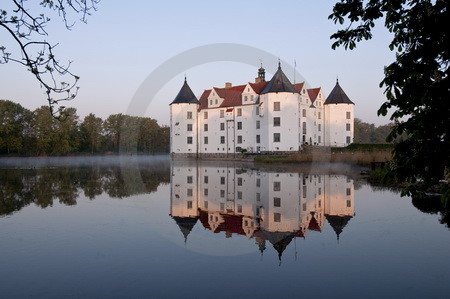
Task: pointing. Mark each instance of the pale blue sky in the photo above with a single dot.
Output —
(123, 43)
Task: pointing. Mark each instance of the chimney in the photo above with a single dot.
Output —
(258, 80)
(228, 85)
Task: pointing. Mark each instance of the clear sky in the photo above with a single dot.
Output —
(124, 42)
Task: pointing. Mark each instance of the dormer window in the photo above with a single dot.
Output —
(251, 97)
(248, 89)
(304, 91)
(245, 98)
(210, 102)
(217, 101)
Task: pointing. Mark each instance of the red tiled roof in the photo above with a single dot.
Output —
(204, 99)
(232, 95)
(313, 225)
(299, 86)
(258, 87)
(313, 92)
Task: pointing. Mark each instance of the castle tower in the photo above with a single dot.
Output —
(279, 100)
(339, 115)
(184, 123)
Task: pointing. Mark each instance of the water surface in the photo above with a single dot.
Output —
(146, 226)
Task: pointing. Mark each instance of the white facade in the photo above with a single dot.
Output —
(257, 204)
(273, 116)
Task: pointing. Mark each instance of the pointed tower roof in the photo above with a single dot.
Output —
(338, 223)
(185, 96)
(279, 240)
(338, 96)
(186, 224)
(279, 83)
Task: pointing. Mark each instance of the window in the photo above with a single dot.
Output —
(206, 204)
(348, 139)
(205, 115)
(216, 101)
(304, 191)
(222, 193)
(210, 102)
(189, 204)
(257, 110)
(319, 127)
(276, 186)
(258, 196)
(239, 208)
(258, 138)
(205, 139)
(239, 111)
(189, 115)
(239, 182)
(222, 139)
(239, 195)
(318, 114)
(222, 180)
(319, 140)
(239, 125)
(319, 191)
(205, 179)
(258, 124)
(349, 191)
(222, 126)
(189, 140)
(276, 137)
(222, 207)
(205, 127)
(304, 207)
(251, 97)
(205, 192)
(347, 126)
(189, 192)
(238, 149)
(258, 182)
(304, 112)
(189, 179)
(276, 106)
(245, 99)
(239, 139)
(276, 121)
(189, 127)
(222, 113)
(276, 217)
(349, 203)
(277, 202)
(304, 128)
(348, 115)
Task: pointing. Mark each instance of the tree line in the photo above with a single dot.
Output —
(26, 132)
(369, 133)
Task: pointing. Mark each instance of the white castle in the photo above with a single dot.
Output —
(260, 117)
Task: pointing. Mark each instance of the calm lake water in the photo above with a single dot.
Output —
(151, 227)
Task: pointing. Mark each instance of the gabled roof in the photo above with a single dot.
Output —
(299, 86)
(185, 95)
(338, 96)
(231, 95)
(204, 99)
(258, 87)
(279, 83)
(313, 93)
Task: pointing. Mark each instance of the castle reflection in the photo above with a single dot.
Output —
(266, 206)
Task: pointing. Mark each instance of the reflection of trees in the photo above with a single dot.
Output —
(42, 186)
(433, 205)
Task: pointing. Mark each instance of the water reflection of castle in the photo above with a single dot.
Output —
(266, 206)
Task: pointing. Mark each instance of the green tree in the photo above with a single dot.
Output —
(13, 122)
(91, 130)
(113, 130)
(43, 130)
(416, 83)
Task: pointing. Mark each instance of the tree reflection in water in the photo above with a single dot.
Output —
(46, 183)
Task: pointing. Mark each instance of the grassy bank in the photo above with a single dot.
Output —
(360, 154)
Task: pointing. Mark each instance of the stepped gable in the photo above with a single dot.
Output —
(338, 223)
(279, 83)
(186, 224)
(185, 95)
(338, 96)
